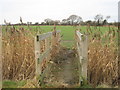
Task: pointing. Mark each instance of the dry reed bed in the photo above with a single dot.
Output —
(18, 54)
(19, 62)
(103, 58)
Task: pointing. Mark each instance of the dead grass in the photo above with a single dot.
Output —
(18, 54)
(103, 59)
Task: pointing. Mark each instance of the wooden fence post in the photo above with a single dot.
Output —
(82, 47)
(58, 40)
(47, 46)
(53, 42)
(85, 57)
(0, 57)
(37, 55)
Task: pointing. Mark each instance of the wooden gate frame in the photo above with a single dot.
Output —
(47, 41)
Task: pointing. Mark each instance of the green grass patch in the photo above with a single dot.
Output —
(13, 84)
(67, 44)
(67, 32)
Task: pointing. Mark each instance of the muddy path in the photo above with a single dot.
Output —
(63, 70)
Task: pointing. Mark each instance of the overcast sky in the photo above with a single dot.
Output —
(38, 10)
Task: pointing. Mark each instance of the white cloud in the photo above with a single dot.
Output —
(38, 10)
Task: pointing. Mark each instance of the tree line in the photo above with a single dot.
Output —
(71, 20)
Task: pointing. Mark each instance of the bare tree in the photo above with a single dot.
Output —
(74, 19)
(49, 21)
(21, 20)
(106, 20)
(78, 20)
(98, 18)
(64, 22)
(57, 22)
(6, 23)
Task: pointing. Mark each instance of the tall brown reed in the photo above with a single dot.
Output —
(18, 54)
(103, 58)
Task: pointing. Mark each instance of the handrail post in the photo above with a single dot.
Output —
(82, 47)
(37, 54)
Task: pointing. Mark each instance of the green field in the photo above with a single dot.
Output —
(67, 32)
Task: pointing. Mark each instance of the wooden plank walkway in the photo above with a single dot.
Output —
(63, 70)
